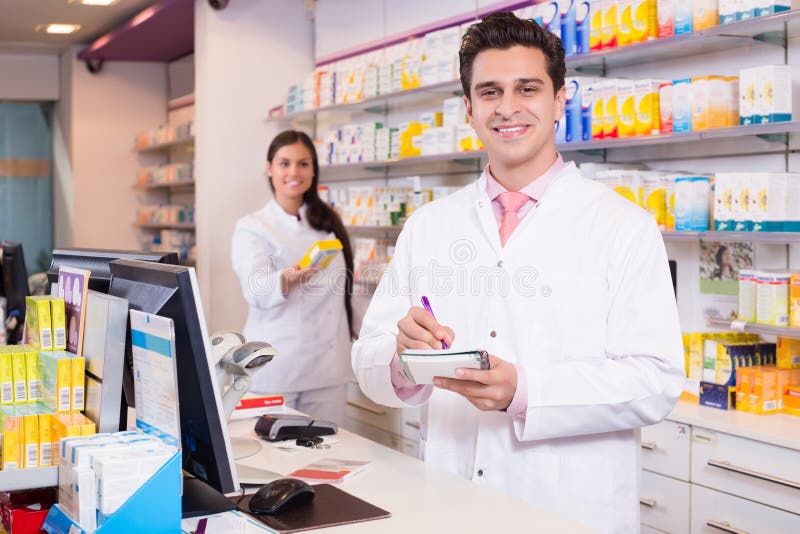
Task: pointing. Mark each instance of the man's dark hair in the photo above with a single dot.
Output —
(504, 30)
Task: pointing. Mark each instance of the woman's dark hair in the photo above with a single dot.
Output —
(504, 30)
(721, 252)
(320, 216)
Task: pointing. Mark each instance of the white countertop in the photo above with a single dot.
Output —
(778, 429)
(420, 497)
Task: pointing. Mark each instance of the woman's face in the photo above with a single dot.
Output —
(291, 171)
(726, 258)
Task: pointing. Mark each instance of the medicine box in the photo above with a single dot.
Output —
(705, 14)
(321, 254)
(773, 93)
(684, 15)
(646, 104)
(624, 22)
(665, 13)
(626, 108)
(55, 374)
(682, 105)
(717, 396)
(747, 95)
(37, 316)
(644, 20)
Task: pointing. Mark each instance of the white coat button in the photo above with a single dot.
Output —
(492, 334)
(480, 204)
(480, 472)
(499, 263)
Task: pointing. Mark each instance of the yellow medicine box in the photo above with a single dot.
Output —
(32, 372)
(30, 456)
(39, 323)
(58, 323)
(12, 438)
(6, 378)
(77, 381)
(321, 254)
(20, 377)
(45, 440)
(55, 374)
(788, 353)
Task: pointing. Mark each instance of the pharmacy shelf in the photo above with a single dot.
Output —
(774, 29)
(764, 329)
(168, 186)
(760, 130)
(165, 226)
(775, 238)
(22, 479)
(777, 429)
(465, 162)
(375, 231)
(164, 146)
(379, 104)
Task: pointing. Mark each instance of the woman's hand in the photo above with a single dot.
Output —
(294, 275)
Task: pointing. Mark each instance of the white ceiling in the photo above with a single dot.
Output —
(19, 18)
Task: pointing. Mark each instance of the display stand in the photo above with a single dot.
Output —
(154, 508)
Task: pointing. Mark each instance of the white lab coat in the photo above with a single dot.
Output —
(581, 296)
(309, 328)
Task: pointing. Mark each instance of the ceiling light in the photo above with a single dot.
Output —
(95, 2)
(58, 28)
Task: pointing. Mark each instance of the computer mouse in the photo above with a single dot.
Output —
(281, 495)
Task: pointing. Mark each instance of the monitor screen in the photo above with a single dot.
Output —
(97, 261)
(14, 286)
(172, 291)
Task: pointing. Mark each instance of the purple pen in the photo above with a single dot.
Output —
(427, 305)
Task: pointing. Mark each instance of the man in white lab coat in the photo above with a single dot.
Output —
(565, 283)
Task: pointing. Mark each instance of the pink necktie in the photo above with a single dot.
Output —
(511, 201)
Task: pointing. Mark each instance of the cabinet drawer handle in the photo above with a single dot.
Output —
(650, 503)
(366, 408)
(649, 445)
(724, 526)
(413, 424)
(720, 464)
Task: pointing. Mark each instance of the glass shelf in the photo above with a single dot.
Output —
(22, 479)
(764, 329)
(773, 29)
(379, 104)
(776, 238)
(171, 186)
(164, 146)
(165, 226)
(464, 162)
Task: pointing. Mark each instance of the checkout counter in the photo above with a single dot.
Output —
(420, 497)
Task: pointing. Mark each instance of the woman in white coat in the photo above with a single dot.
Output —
(305, 313)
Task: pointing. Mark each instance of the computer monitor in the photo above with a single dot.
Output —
(172, 291)
(14, 287)
(97, 260)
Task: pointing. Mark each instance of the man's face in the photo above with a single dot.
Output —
(513, 107)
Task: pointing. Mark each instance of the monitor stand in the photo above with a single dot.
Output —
(200, 499)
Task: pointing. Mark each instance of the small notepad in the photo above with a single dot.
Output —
(420, 366)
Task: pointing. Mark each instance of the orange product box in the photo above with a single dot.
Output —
(783, 382)
(791, 400)
(794, 299)
(744, 387)
(764, 396)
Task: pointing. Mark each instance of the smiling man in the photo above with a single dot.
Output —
(566, 285)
